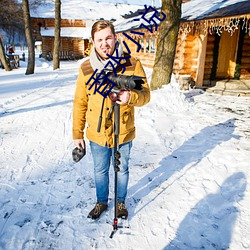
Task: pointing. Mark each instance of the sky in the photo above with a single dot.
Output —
(189, 169)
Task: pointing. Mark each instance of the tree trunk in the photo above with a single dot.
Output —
(56, 59)
(168, 34)
(29, 38)
(3, 57)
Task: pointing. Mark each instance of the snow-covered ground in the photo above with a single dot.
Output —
(189, 169)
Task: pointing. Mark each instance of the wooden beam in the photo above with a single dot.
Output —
(201, 60)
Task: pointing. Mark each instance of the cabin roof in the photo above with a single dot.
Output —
(209, 9)
(193, 10)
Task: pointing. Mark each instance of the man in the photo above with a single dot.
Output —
(87, 107)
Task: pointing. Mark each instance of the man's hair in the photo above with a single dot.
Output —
(100, 25)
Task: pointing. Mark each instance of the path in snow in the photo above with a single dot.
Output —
(189, 170)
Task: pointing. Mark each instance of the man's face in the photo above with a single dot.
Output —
(104, 42)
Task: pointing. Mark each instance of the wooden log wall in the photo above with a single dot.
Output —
(79, 46)
(178, 61)
(50, 22)
(47, 45)
(186, 55)
(66, 44)
(245, 60)
(191, 54)
(73, 45)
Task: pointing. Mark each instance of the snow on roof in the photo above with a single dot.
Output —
(193, 10)
(84, 10)
(79, 32)
(197, 9)
(130, 23)
(156, 3)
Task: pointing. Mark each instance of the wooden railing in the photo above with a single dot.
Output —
(64, 55)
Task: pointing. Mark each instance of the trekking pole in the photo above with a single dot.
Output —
(117, 156)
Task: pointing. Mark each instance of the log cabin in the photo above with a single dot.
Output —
(74, 37)
(213, 42)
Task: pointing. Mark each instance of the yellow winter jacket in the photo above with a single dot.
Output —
(87, 107)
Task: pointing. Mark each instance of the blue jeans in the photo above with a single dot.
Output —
(102, 158)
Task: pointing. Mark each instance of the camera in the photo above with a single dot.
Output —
(123, 82)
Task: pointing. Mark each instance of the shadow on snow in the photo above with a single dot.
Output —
(210, 223)
(23, 110)
(189, 155)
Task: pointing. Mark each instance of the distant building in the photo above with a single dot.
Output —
(77, 19)
(74, 37)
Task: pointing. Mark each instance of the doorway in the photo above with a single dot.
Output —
(227, 55)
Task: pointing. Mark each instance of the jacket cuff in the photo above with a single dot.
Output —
(77, 135)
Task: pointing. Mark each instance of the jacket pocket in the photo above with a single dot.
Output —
(127, 120)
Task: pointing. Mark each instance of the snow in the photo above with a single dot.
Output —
(196, 9)
(80, 32)
(85, 10)
(156, 3)
(189, 169)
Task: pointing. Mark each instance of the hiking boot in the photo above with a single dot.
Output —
(122, 211)
(97, 210)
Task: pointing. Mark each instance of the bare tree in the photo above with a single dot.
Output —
(11, 16)
(11, 24)
(168, 34)
(28, 33)
(3, 57)
(56, 59)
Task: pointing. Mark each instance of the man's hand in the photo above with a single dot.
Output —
(123, 97)
(79, 143)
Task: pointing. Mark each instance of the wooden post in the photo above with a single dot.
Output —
(201, 60)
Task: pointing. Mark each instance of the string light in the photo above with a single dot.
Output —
(218, 25)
